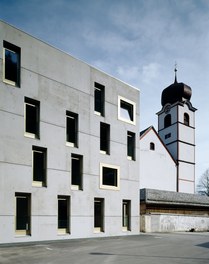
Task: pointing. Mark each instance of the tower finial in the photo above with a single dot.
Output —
(175, 70)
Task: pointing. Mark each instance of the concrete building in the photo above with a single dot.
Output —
(69, 156)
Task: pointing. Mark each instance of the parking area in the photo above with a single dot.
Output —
(155, 248)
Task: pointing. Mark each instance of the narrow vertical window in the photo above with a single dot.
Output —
(11, 64)
(104, 138)
(63, 214)
(126, 215)
(131, 145)
(32, 118)
(99, 98)
(76, 172)
(23, 214)
(98, 215)
(167, 121)
(71, 129)
(186, 119)
(152, 146)
(39, 166)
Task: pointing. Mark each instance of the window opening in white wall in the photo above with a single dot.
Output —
(32, 117)
(71, 129)
(11, 64)
(126, 110)
(109, 177)
(99, 98)
(23, 214)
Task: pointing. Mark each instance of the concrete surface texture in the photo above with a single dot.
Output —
(155, 248)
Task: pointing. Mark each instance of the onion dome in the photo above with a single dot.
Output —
(176, 92)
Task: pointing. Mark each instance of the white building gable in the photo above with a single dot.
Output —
(158, 168)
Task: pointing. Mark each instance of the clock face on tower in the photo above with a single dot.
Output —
(167, 109)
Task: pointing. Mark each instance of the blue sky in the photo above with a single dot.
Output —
(137, 41)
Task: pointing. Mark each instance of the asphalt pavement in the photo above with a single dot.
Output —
(166, 248)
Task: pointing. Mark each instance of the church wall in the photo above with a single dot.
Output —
(157, 170)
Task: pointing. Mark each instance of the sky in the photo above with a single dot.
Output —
(136, 41)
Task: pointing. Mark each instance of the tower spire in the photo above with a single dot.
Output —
(175, 70)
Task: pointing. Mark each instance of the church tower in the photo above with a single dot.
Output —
(176, 128)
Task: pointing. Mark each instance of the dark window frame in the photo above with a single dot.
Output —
(32, 118)
(63, 214)
(99, 209)
(167, 121)
(104, 138)
(131, 145)
(71, 129)
(126, 215)
(76, 172)
(11, 68)
(39, 166)
(99, 99)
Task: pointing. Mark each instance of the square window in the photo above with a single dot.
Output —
(131, 145)
(23, 214)
(39, 166)
(76, 172)
(63, 214)
(104, 138)
(126, 110)
(99, 98)
(98, 215)
(126, 215)
(109, 177)
(71, 129)
(11, 64)
(32, 118)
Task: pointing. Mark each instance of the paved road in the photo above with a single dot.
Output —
(142, 249)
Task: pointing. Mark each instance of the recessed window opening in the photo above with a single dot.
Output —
(126, 215)
(39, 166)
(11, 64)
(186, 119)
(167, 135)
(99, 98)
(32, 117)
(152, 146)
(71, 129)
(126, 110)
(109, 177)
(76, 172)
(131, 145)
(98, 215)
(63, 214)
(104, 138)
(23, 214)
(167, 120)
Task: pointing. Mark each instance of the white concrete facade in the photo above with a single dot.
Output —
(62, 83)
(158, 168)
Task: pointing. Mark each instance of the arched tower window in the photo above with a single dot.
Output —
(167, 120)
(186, 119)
(152, 146)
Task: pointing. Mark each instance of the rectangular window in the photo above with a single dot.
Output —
(109, 177)
(104, 138)
(32, 118)
(126, 215)
(39, 166)
(71, 129)
(98, 215)
(11, 64)
(131, 145)
(63, 214)
(23, 214)
(168, 135)
(99, 98)
(76, 172)
(126, 110)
